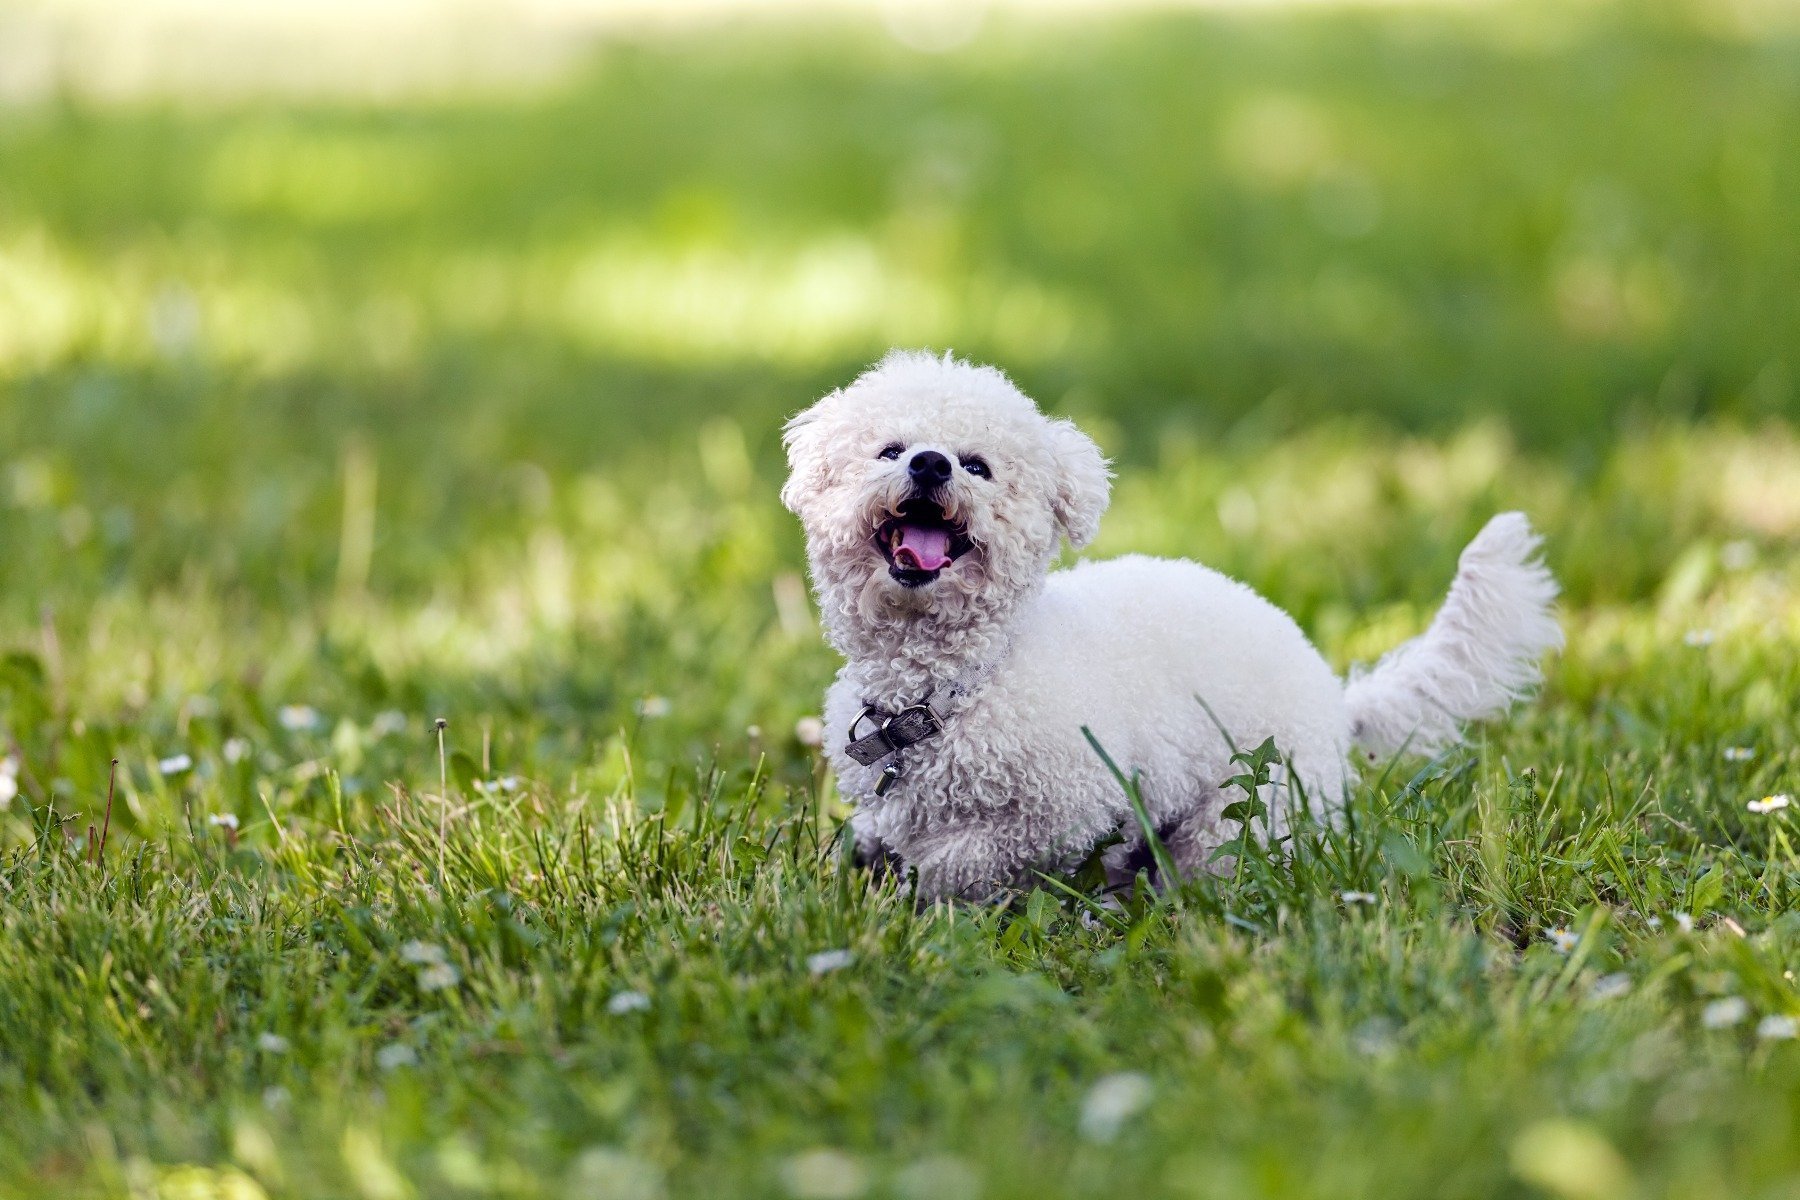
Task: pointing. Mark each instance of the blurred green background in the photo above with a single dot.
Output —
(377, 386)
(364, 388)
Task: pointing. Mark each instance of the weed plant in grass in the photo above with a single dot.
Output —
(321, 422)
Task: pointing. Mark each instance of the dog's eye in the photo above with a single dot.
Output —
(977, 467)
(891, 451)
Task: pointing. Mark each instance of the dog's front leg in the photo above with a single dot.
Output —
(966, 865)
(868, 851)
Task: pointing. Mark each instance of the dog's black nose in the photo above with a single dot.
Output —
(929, 469)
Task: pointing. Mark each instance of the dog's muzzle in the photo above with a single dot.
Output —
(920, 540)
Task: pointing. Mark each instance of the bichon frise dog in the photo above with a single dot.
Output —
(935, 497)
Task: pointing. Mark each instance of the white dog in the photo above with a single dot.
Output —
(935, 497)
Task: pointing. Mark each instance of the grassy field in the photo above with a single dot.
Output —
(319, 422)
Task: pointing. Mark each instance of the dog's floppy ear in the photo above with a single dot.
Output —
(806, 458)
(1083, 482)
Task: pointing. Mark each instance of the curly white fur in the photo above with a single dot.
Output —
(1167, 662)
(1480, 654)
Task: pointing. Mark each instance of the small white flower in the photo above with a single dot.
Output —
(1684, 922)
(605, 1173)
(175, 764)
(753, 733)
(810, 731)
(1358, 897)
(1723, 1014)
(1653, 922)
(9, 788)
(1611, 987)
(652, 707)
(827, 961)
(1769, 804)
(224, 821)
(938, 1177)
(388, 723)
(1373, 1038)
(1700, 637)
(421, 954)
(395, 1055)
(1565, 940)
(824, 1174)
(236, 749)
(437, 977)
(298, 717)
(506, 783)
(9, 767)
(1739, 753)
(1112, 1101)
(273, 1043)
(627, 1002)
(1778, 1028)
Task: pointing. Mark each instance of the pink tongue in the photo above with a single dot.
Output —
(922, 549)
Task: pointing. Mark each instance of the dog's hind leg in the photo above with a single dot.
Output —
(1189, 839)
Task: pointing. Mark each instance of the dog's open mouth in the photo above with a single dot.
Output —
(919, 541)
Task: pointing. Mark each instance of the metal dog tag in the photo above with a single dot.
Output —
(889, 774)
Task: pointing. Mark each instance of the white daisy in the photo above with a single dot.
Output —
(1611, 987)
(1724, 1013)
(395, 1055)
(824, 1174)
(1769, 804)
(437, 977)
(809, 731)
(1358, 897)
(272, 1043)
(421, 954)
(1739, 753)
(224, 821)
(175, 764)
(627, 1002)
(827, 961)
(1778, 1028)
(298, 718)
(1112, 1101)
(1563, 939)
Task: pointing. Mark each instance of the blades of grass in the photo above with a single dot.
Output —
(1165, 862)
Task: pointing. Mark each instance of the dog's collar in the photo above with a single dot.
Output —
(897, 729)
(893, 732)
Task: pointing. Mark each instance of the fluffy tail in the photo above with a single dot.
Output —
(1481, 653)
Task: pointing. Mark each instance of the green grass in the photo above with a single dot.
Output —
(319, 422)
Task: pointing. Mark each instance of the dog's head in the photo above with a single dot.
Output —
(930, 486)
